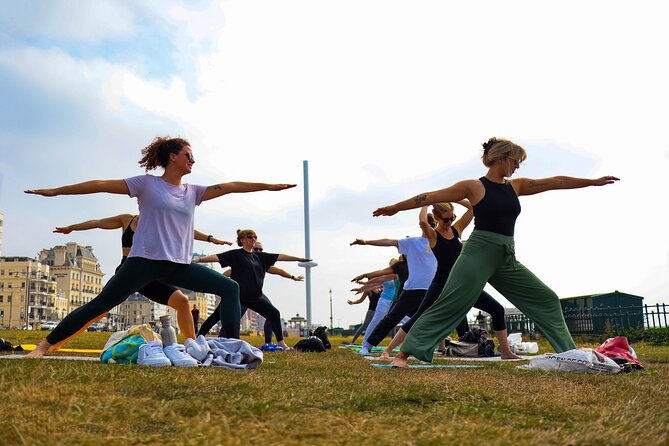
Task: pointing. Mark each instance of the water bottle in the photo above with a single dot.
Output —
(167, 333)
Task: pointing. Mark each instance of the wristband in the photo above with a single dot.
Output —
(209, 238)
(292, 277)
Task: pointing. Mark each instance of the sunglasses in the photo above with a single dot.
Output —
(252, 237)
(190, 157)
(257, 249)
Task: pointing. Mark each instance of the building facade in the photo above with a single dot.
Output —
(28, 294)
(77, 272)
(138, 309)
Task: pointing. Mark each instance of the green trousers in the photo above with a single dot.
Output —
(488, 257)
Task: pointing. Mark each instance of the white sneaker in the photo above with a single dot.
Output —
(176, 353)
(151, 354)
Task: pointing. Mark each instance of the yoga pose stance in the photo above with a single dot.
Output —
(489, 255)
(163, 243)
(156, 291)
(444, 239)
(373, 296)
(248, 270)
(422, 266)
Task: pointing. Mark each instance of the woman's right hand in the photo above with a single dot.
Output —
(358, 241)
(65, 230)
(43, 192)
(385, 211)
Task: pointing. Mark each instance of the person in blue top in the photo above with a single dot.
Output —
(163, 243)
(489, 254)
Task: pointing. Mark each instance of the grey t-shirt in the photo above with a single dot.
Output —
(165, 229)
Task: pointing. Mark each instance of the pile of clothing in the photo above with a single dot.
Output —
(141, 345)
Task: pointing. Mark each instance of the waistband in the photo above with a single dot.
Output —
(505, 241)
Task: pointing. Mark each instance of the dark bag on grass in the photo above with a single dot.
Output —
(463, 349)
(322, 334)
(311, 344)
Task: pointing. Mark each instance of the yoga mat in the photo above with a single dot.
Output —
(454, 358)
(31, 347)
(71, 358)
(430, 366)
(373, 349)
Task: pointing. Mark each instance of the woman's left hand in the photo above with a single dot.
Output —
(603, 181)
(276, 187)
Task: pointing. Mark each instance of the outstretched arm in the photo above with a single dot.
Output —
(287, 258)
(360, 300)
(527, 186)
(201, 236)
(283, 273)
(88, 187)
(239, 187)
(380, 242)
(373, 274)
(115, 222)
(459, 191)
(206, 259)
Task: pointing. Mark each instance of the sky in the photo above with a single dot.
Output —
(385, 99)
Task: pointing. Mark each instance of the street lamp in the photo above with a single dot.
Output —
(27, 307)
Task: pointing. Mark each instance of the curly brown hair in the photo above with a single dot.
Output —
(157, 154)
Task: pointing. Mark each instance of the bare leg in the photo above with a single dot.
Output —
(39, 351)
(396, 341)
(401, 360)
(179, 301)
(504, 345)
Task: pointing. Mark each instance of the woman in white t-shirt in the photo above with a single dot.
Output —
(163, 242)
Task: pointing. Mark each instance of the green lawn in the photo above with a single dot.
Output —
(328, 398)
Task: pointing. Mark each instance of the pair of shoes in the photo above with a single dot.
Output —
(154, 355)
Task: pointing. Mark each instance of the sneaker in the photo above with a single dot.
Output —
(151, 354)
(176, 353)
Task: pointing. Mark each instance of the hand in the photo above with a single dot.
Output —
(42, 192)
(359, 278)
(65, 230)
(350, 302)
(357, 290)
(386, 210)
(298, 278)
(358, 241)
(276, 187)
(604, 181)
(216, 241)
(195, 260)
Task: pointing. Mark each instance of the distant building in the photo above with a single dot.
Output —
(2, 217)
(77, 272)
(28, 293)
(138, 309)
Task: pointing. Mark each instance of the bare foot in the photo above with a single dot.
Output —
(400, 360)
(284, 346)
(510, 355)
(384, 355)
(40, 350)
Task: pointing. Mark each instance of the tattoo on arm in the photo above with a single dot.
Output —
(214, 187)
(534, 183)
(421, 199)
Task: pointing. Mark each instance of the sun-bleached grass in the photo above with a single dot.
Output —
(329, 398)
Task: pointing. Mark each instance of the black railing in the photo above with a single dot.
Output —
(597, 321)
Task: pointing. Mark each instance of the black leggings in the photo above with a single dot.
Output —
(137, 272)
(485, 302)
(261, 306)
(405, 305)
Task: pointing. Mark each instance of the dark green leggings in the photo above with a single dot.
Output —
(488, 257)
(135, 273)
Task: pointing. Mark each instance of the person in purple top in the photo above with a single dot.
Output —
(163, 242)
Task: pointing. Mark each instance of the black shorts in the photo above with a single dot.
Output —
(155, 291)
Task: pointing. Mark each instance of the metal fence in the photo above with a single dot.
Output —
(586, 321)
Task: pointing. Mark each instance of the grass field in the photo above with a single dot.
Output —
(333, 398)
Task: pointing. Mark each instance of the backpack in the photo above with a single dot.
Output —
(311, 344)
(322, 334)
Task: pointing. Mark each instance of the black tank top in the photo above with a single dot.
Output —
(446, 251)
(498, 209)
(127, 236)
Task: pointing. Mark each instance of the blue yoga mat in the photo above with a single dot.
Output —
(431, 366)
